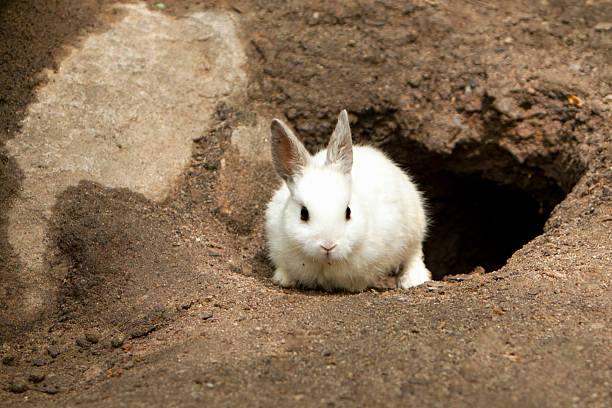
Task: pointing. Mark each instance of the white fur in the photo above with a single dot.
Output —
(386, 227)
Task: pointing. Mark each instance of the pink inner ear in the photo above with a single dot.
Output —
(288, 153)
(340, 147)
(283, 152)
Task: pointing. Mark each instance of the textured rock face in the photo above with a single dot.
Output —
(121, 110)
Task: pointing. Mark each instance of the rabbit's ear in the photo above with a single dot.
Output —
(340, 148)
(289, 155)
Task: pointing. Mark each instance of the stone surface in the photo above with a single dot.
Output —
(121, 110)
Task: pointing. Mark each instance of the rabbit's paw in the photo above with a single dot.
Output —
(282, 279)
(415, 274)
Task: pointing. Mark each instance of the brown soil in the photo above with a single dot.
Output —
(500, 110)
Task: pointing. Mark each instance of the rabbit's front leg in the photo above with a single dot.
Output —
(414, 272)
(281, 278)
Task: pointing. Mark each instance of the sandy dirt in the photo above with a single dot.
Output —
(500, 110)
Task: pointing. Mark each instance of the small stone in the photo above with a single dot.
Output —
(409, 8)
(39, 361)
(597, 108)
(479, 270)
(575, 67)
(391, 54)
(292, 112)
(525, 132)
(51, 390)
(53, 351)
(606, 26)
(116, 341)
(143, 330)
(186, 305)
(206, 316)
(415, 80)
(81, 342)
(9, 360)
(17, 387)
(374, 22)
(36, 377)
(92, 338)
(474, 104)
(507, 107)
(508, 40)
(214, 252)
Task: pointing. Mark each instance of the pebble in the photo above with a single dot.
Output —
(206, 316)
(53, 351)
(414, 80)
(606, 26)
(39, 361)
(186, 305)
(8, 360)
(36, 377)
(375, 23)
(506, 106)
(17, 387)
(116, 341)
(142, 331)
(92, 338)
(473, 105)
(81, 342)
(409, 8)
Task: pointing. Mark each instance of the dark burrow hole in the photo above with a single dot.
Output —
(476, 222)
(480, 215)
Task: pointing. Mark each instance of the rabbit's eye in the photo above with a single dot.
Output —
(304, 214)
(348, 213)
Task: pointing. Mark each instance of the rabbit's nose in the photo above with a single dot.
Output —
(328, 246)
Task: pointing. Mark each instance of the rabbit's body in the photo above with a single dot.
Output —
(363, 221)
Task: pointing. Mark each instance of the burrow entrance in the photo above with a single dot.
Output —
(482, 207)
(476, 222)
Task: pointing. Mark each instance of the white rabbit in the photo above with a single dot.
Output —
(344, 217)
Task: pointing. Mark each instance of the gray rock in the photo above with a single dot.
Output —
(17, 387)
(53, 351)
(36, 377)
(605, 26)
(116, 341)
(9, 360)
(120, 113)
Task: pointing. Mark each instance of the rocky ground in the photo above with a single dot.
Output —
(134, 172)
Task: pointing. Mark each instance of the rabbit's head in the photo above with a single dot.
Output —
(321, 218)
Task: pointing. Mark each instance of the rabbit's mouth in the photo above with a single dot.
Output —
(330, 257)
